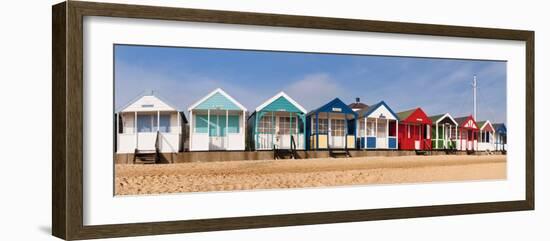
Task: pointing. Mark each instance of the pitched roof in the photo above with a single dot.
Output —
(277, 97)
(147, 101)
(500, 128)
(367, 111)
(358, 105)
(335, 105)
(218, 95)
(435, 118)
(404, 114)
(440, 117)
(461, 120)
(416, 115)
(485, 122)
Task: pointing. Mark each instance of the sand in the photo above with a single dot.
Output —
(301, 173)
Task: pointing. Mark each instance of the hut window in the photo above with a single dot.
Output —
(362, 127)
(146, 122)
(164, 124)
(371, 127)
(381, 132)
(265, 125)
(323, 126)
(392, 126)
(201, 124)
(427, 132)
(337, 127)
(233, 124)
(284, 125)
(408, 131)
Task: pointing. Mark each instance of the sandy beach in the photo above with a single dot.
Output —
(301, 173)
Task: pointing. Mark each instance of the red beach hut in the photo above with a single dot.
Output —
(468, 133)
(414, 130)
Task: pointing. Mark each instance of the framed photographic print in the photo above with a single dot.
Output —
(171, 120)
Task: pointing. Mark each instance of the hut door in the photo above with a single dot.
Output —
(381, 134)
(416, 135)
(283, 134)
(337, 133)
(217, 132)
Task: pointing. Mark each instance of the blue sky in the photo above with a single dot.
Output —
(184, 75)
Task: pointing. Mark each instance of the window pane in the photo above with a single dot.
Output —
(381, 132)
(284, 125)
(233, 124)
(201, 124)
(337, 127)
(323, 126)
(265, 125)
(164, 123)
(370, 127)
(144, 123)
(213, 126)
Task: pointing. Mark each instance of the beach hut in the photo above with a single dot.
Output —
(486, 139)
(331, 126)
(357, 105)
(377, 127)
(467, 133)
(277, 123)
(444, 131)
(500, 137)
(414, 130)
(217, 123)
(149, 124)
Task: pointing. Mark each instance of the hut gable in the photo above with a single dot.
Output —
(335, 105)
(467, 122)
(500, 128)
(415, 116)
(217, 99)
(443, 118)
(486, 126)
(148, 102)
(281, 102)
(378, 110)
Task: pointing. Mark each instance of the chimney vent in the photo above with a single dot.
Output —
(357, 100)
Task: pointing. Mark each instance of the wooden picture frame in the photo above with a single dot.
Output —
(67, 123)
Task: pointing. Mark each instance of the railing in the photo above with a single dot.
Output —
(157, 147)
(293, 146)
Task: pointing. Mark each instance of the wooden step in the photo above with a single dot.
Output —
(146, 157)
(284, 154)
(339, 153)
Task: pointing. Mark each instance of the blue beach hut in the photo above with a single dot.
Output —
(331, 126)
(500, 136)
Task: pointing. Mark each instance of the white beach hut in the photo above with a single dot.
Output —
(486, 136)
(217, 123)
(149, 124)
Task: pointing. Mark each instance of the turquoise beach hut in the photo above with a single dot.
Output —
(278, 123)
(217, 123)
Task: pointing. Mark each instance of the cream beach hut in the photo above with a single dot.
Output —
(217, 123)
(486, 140)
(149, 125)
(277, 123)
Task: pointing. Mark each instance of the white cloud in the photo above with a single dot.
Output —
(314, 90)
